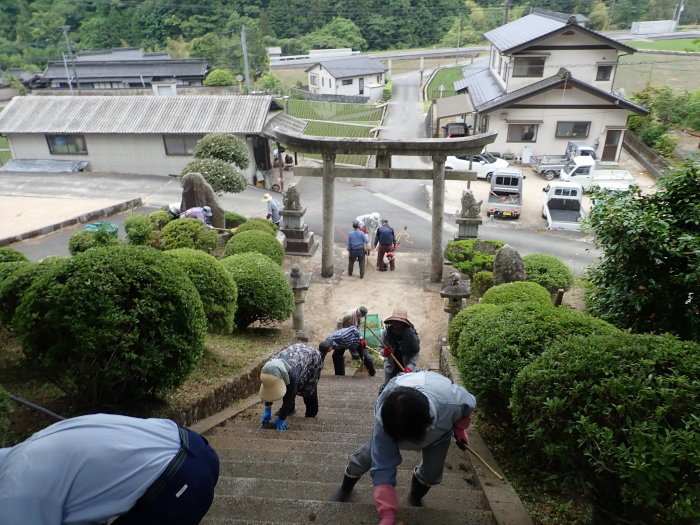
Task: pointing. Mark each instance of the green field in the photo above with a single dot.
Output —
(312, 110)
(324, 129)
(682, 44)
(640, 70)
(444, 77)
(4, 155)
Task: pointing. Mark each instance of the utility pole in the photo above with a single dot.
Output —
(506, 7)
(72, 59)
(612, 8)
(245, 60)
(459, 29)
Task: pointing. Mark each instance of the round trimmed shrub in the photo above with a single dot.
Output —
(471, 256)
(159, 219)
(223, 146)
(221, 176)
(518, 291)
(255, 241)
(481, 282)
(495, 345)
(270, 225)
(6, 438)
(13, 287)
(618, 413)
(189, 233)
(216, 287)
(138, 229)
(84, 240)
(264, 293)
(233, 220)
(462, 319)
(254, 225)
(8, 254)
(8, 268)
(547, 271)
(112, 323)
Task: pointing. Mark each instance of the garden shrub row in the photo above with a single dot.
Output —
(471, 256)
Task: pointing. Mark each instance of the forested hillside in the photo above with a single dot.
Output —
(31, 31)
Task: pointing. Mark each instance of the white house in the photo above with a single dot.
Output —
(346, 76)
(548, 80)
(145, 135)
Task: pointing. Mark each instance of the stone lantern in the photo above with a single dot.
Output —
(300, 286)
(455, 293)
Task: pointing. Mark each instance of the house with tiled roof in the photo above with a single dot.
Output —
(548, 79)
(144, 135)
(346, 76)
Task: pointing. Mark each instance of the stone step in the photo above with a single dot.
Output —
(302, 424)
(292, 434)
(265, 509)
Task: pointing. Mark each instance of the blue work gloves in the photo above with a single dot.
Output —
(280, 424)
(267, 416)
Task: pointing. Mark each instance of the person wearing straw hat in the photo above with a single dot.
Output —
(419, 411)
(294, 371)
(273, 209)
(369, 223)
(401, 339)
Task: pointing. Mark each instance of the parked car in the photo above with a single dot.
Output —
(484, 164)
(582, 171)
(549, 166)
(562, 206)
(506, 193)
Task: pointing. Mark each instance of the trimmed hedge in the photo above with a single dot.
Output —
(223, 146)
(255, 241)
(258, 224)
(84, 240)
(138, 229)
(8, 268)
(548, 271)
(264, 293)
(619, 414)
(188, 233)
(233, 219)
(160, 218)
(496, 344)
(462, 320)
(471, 256)
(8, 254)
(112, 323)
(215, 285)
(481, 282)
(517, 292)
(220, 175)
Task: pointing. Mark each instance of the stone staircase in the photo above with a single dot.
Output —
(270, 476)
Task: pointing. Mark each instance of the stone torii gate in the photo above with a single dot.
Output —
(384, 149)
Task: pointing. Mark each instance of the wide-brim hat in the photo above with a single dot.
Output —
(401, 316)
(375, 216)
(267, 197)
(272, 388)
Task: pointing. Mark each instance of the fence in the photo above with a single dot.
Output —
(647, 157)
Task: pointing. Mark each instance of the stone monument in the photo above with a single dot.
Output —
(300, 283)
(299, 240)
(508, 266)
(469, 219)
(455, 293)
(197, 192)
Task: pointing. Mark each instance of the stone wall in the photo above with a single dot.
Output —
(354, 99)
(646, 156)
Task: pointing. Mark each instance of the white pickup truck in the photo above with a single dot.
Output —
(562, 206)
(549, 166)
(582, 171)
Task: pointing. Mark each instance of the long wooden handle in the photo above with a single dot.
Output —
(483, 461)
(398, 363)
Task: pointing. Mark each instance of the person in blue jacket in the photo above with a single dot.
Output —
(92, 468)
(358, 247)
(416, 411)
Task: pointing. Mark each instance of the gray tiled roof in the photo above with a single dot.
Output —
(525, 31)
(351, 66)
(120, 53)
(195, 67)
(480, 83)
(239, 114)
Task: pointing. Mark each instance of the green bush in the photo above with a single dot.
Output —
(112, 323)
(462, 319)
(618, 414)
(264, 293)
(496, 344)
(255, 241)
(138, 229)
(83, 240)
(219, 77)
(387, 91)
(481, 282)
(471, 256)
(547, 271)
(216, 287)
(8, 254)
(666, 145)
(223, 146)
(8, 268)
(189, 233)
(6, 438)
(13, 287)
(258, 225)
(517, 292)
(271, 226)
(222, 177)
(233, 219)
(160, 218)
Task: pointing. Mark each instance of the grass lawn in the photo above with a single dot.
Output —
(324, 129)
(446, 78)
(681, 44)
(640, 70)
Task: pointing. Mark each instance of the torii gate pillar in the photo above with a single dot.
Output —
(328, 204)
(438, 218)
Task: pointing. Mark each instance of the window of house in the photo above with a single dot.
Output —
(528, 66)
(66, 144)
(522, 132)
(180, 144)
(573, 129)
(313, 80)
(604, 73)
(347, 81)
